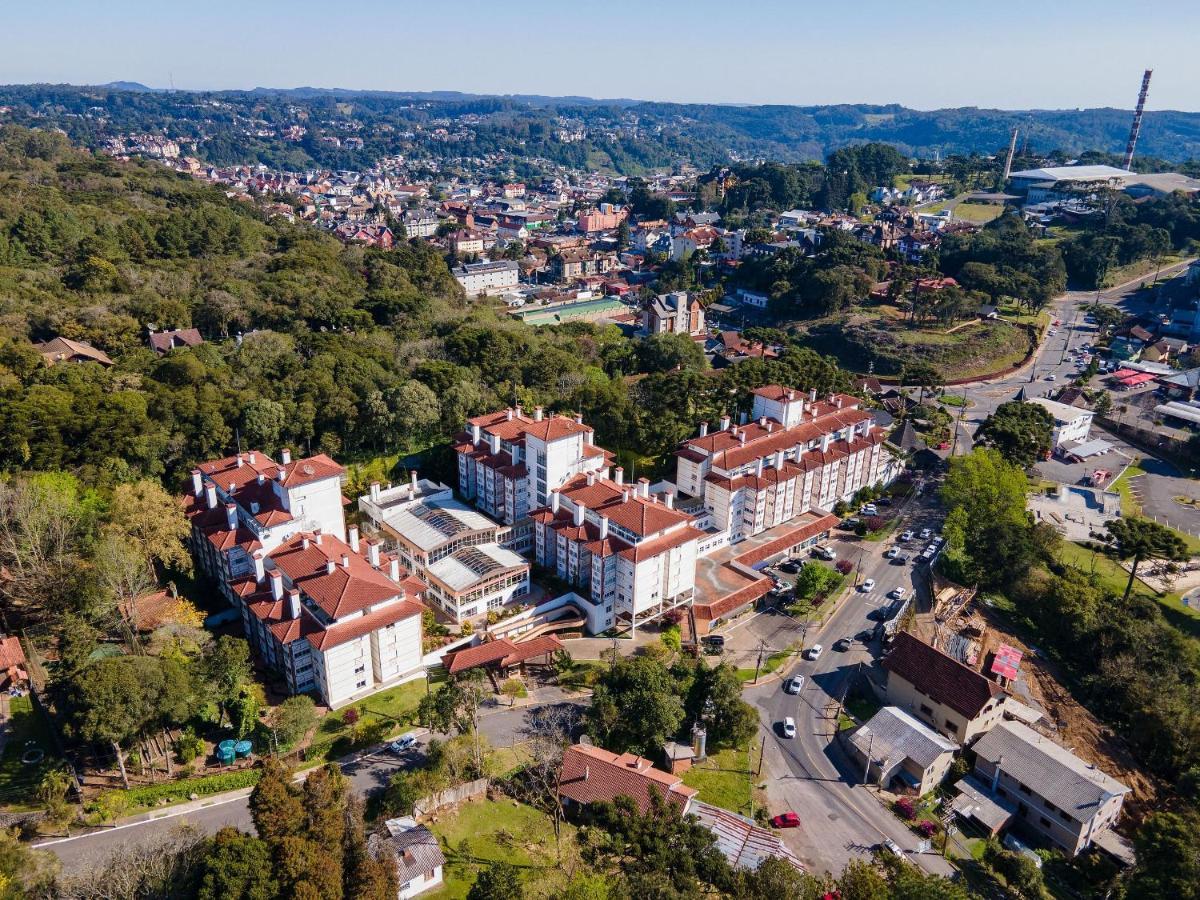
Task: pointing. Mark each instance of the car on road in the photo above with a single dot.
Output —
(826, 553)
(1052, 377)
(907, 536)
(891, 552)
(813, 652)
(892, 847)
(841, 645)
(794, 685)
(404, 742)
(785, 820)
(867, 586)
(789, 727)
(898, 593)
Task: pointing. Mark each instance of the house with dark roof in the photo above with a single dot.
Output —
(163, 341)
(61, 349)
(593, 775)
(955, 700)
(419, 859)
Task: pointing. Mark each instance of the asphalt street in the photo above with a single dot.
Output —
(840, 817)
(367, 772)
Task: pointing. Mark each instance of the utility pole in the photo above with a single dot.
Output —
(867, 771)
(762, 646)
(762, 747)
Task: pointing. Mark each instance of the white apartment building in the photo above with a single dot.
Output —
(248, 502)
(1071, 424)
(488, 277)
(798, 453)
(632, 554)
(329, 617)
(508, 461)
(457, 552)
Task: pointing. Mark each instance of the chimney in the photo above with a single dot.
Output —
(518, 410)
(394, 568)
(724, 423)
(374, 491)
(260, 569)
(279, 473)
(373, 553)
(352, 538)
(669, 499)
(317, 536)
(276, 584)
(240, 462)
(591, 478)
(703, 429)
(508, 414)
(742, 439)
(305, 543)
(996, 774)
(578, 418)
(538, 413)
(476, 435)
(285, 456)
(587, 772)
(210, 496)
(625, 495)
(762, 421)
(494, 443)
(603, 527)
(231, 516)
(837, 401)
(619, 476)
(252, 458)
(330, 567)
(346, 561)
(555, 500)
(261, 479)
(831, 397)
(826, 440)
(580, 513)
(643, 487)
(812, 396)
(779, 459)
(197, 483)
(791, 395)
(293, 602)
(758, 467)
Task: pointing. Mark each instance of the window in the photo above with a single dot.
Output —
(1045, 822)
(1024, 789)
(360, 670)
(926, 710)
(361, 684)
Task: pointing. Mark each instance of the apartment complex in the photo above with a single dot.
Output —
(508, 461)
(633, 555)
(797, 453)
(462, 556)
(487, 277)
(328, 614)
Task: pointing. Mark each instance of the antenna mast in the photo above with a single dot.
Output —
(1012, 149)
(1136, 127)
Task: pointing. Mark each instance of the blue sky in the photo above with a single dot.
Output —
(1015, 54)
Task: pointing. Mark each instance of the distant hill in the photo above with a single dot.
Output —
(135, 86)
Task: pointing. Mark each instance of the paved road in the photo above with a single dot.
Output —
(367, 773)
(840, 818)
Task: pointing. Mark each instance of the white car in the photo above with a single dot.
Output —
(404, 742)
(813, 652)
(826, 553)
(899, 593)
(794, 685)
(907, 536)
(929, 552)
(890, 552)
(925, 533)
(1052, 377)
(789, 727)
(867, 586)
(869, 510)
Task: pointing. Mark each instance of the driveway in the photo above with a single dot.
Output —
(1158, 490)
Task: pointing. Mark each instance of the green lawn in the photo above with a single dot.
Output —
(394, 710)
(981, 213)
(862, 708)
(27, 728)
(1114, 578)
(725, 779)
(1129, 504)
(485, 831)
(771, 663)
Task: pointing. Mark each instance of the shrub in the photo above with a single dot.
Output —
(927, 828)
(189, 746)
(350, 717)
(844, 566)
(904, 807)
(874, 523)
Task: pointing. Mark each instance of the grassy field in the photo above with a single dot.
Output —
(486, 831)
(393, 709)
(1114, 578)
(27, 729)
(980, 213)
(1129, 504)
(725, 779)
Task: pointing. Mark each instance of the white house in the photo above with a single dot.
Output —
(419, 859)
(488, 277)
(1071, 424)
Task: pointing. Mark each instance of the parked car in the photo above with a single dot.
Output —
(907, 536)
(715, 640)
(789, 565)
(789, 727)
(786, 820)
(841, 645)
(869, 509)
(867, 586)
(929, 553)
(826, 553)
(404, 742)
(899, 559)
(892, 847)
(899, 593)
(1052, 377)
(813, 652)
(794, 685)
(925, 533)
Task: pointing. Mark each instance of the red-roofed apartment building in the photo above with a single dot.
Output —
(508, 462)
(633, 555)
(329, 615)
(798, 453)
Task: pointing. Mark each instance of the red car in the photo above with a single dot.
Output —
(786, 820)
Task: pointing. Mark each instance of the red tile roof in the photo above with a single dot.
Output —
(940, 677)
(501, 652)
(344, 590)
(591, 775)
(11, 652)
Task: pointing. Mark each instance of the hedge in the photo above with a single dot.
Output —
(175, 791)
